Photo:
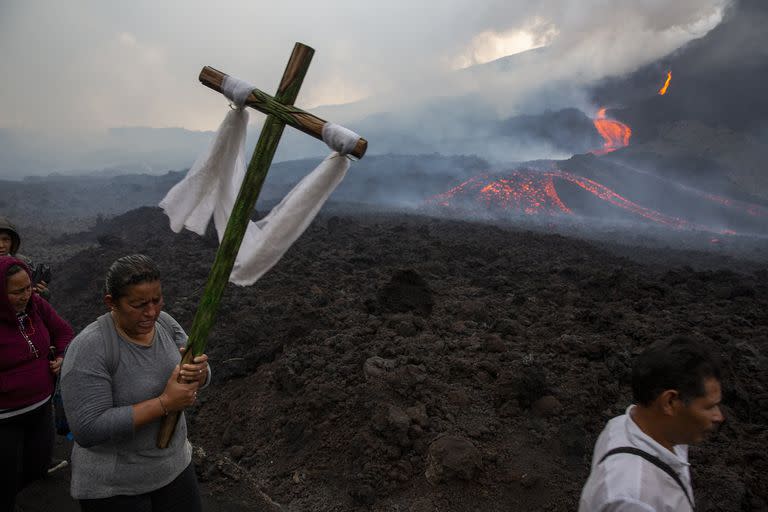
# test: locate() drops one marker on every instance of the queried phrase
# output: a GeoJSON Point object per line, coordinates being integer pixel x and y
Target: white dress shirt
{"type": "Point", "coordinates": [626, 482]}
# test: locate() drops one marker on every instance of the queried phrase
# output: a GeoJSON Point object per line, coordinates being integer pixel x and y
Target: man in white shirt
{"type": "Point", "coordinates": [640, 462]}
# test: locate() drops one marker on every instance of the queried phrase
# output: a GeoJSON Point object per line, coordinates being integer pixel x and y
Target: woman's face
{"type": "Point", "coordinates": [19, 288]}
{"type": "Point", "coordinates": [6, 242]}
{"type": "Point", "coordinates": [137, 310]}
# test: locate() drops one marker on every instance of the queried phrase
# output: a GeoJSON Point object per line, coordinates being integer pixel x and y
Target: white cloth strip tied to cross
{"type": "Point", "coordinates": [211, 186]}
{"type": "Point", "coordinates": [236, 90]}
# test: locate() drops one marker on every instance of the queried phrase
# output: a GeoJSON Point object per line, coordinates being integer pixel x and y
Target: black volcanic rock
{"type": "Point", "coordinates": [407, 291]}
{"type": "Point", "coordinates": [330, 403]}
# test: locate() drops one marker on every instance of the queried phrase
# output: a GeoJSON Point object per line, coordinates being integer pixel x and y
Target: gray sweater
{"type": "Point", "coordinates": [109, 457]}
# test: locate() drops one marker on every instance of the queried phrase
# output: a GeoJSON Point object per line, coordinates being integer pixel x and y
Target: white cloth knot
{"type": "Point", "coordinates": [339, 139]}
{"type": "Point", "coordinates": [236, 90]}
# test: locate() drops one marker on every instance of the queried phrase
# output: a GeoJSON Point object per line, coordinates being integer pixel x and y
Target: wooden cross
{"type": "Point", "coordinates": [280, 111]}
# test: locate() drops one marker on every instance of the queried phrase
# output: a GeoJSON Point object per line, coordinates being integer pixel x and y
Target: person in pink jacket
{"type": "Point", "coordinates": [33, 338]}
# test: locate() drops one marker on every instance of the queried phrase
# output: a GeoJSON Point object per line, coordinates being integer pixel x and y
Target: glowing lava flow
{"type": "Point", "coordinates": [743, 207]}
{"type": "Point", "coordinates": [615, 199]}
{"type": "Point", "coordinates": [533, 192]}
{"type": "Point", "coordinates": [615, 133]}
{"type": "Point", "coordinates": [748, 208]}
{"type": "Point", "coordinates": [663, 89]}
{"type": "Point", "coordinates": [525, 191]}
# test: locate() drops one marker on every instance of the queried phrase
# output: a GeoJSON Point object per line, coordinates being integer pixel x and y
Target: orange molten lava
{"type": "Point", "coordinates": [525, 191]}
{"type": "Point", "coordinates": [606, 194]}
{"type": "Point", "coordinates": [750, 209]}
{"type": "Point", "coordinates": [663, 90]}
{"type": "Point", "coordinates": [615, 133]}
{"type": "Point", "coordinates": [533, 193]}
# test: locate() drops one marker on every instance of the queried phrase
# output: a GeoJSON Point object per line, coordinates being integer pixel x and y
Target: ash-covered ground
{"type": "Point", "coordinates": [397, 362]}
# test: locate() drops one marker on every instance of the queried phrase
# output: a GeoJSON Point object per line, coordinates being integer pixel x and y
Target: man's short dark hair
{"type": "Point", "coordinates": [680, 363]}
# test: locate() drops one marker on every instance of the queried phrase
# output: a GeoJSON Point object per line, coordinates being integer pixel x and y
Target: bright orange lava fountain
{"type": "Point", "coordinates": [615, 133]}
{"type": "Point", "coordinates": [663, 89]}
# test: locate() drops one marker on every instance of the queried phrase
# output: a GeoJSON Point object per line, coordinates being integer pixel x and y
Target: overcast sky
{"type": "Point", "coordinates": [76, 66]}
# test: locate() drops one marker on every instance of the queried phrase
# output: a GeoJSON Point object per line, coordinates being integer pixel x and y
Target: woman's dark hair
{"type": "Point", "coordinates": [680, 363]}
{"type": "Point", "coordinates": [13, 270]}
{"type": "Point", "coordinates": [127, 271]}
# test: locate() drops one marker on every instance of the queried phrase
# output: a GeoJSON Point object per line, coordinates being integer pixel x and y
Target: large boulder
{"type": "Point", "coordinates": [452, 457]}
{"type": "Point", "coordinates": [407, 291]}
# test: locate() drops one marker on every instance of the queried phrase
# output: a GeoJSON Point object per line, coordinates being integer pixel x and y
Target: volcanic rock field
{"type": "Point", "coordinates": [396, 362]}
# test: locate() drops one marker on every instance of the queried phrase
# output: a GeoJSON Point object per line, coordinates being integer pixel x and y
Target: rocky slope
{"type": "Point", "coordinates": [394, 362]}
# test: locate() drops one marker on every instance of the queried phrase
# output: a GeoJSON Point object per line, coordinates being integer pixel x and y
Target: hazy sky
{"type": "Point", "coordinates": [78, 66]}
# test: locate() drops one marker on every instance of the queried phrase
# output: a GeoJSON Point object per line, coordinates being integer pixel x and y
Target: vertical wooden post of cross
{"type": "Point", "coordinates": [294, 74]}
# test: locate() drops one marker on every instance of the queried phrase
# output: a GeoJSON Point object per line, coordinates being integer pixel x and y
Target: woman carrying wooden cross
{"type": "Point", "coordinates": [121, 378]}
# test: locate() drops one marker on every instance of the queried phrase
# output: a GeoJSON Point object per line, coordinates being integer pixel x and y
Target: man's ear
{"type": "Point", "coordinates": [666, 401]}
{"type": "Point", "coordinates": [109, 302]}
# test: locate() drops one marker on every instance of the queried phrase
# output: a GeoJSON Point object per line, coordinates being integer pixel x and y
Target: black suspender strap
{"type": "Point", "coordinates": [656, 462]}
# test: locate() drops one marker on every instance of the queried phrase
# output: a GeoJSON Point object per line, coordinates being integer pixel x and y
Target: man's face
{"type": "Point", "coordinates": [701, 416]}
{"type": "Point", "coordinates": [6, 242]}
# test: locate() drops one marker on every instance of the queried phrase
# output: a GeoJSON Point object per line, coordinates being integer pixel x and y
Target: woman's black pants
{"type": "Point", "coordinates": [26, 444]}
{"type": "Point", "coordinates": [181, 495]}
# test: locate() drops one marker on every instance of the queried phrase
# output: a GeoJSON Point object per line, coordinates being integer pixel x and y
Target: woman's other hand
{"type": "Point", "coordinates": [197, 371]}
{"type": "Point", "coordinates": [55, 365]}
{"type": "Point", "coordinates": [41, 288]}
